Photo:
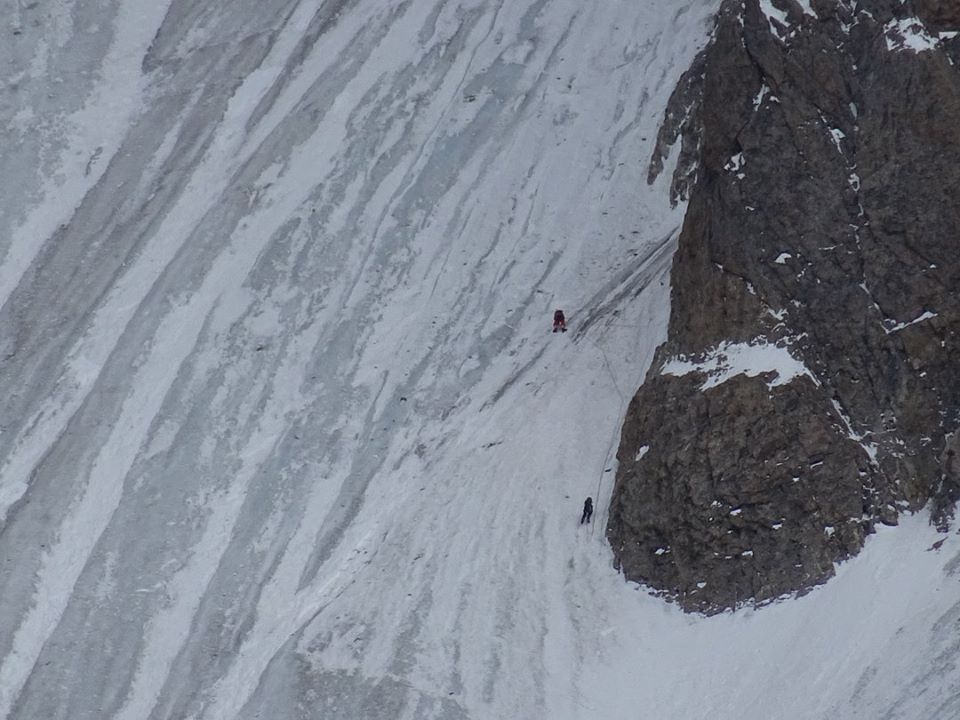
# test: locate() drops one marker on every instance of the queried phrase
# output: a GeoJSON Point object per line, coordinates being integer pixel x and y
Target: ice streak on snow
{"type": "Point", "coordinates": [94, 130]}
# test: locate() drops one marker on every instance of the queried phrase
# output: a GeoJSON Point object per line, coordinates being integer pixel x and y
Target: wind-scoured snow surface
{"type": "Point", "coordinates": [284, 430]}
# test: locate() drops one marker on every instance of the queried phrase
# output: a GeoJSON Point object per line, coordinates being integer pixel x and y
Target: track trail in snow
{"type": "Point", "coordinates": [284, 432]}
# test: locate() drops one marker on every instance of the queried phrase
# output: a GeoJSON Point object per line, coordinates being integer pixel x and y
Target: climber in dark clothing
{"type": "Point", "coordinates": [559, 321]}
{"type": "Point", "coordinates": [587, 511]}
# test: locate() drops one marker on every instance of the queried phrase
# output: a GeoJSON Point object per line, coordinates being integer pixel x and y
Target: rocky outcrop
{"type": "Point", "coordinates": [810, 384]}
{"type": "Point", "coordinates": [939, 15]}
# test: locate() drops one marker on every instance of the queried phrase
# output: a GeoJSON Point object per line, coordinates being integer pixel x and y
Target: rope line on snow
{"type": "Point", "coordinates": [644, 262]}
{"type": "Point", "coordinates": [616, 428]}
{"type": "Point", "coordinates": [624, 401]}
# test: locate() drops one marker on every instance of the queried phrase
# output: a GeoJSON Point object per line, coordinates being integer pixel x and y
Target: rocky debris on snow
{"type": "Point", "coordinates": [809, 387]}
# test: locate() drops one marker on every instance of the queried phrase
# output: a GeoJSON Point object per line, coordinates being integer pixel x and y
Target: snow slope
{"type": "Point", "coordinates": [284, 432]}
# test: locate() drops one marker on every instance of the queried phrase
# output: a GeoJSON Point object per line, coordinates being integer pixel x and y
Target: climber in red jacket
{"type": "Point", "coordinates": [559, 321]}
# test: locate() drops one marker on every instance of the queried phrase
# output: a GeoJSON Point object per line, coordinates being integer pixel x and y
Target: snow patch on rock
{"type": "Point", "coordinates": [761, 94]}
{"type": "Point", "coordinates": [751, 359]}
{"type": "Point", "coordinates": [807, 10]}
{"type": "Point", "coordinates": [900, 326]}
{"type": "Point", "coordinates": [776, 17]}
{"type": "Point", "coordinates": [908, 35]}
{"type": "Point", "coordinates": [735, 164]}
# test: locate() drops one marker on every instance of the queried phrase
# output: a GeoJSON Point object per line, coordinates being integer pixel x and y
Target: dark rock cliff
{"type": "Point", "coordinates": [810, 384]}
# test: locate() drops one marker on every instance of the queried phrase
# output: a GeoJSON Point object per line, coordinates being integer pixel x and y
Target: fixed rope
{"type": "Point", "coordinates": [616, 428]}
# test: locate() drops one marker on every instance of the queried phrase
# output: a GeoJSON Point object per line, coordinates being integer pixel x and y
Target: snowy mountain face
{"type": "Point", "coordinates": [810, 385]}
{"type": "Point", "coordinates": [283, 430]}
